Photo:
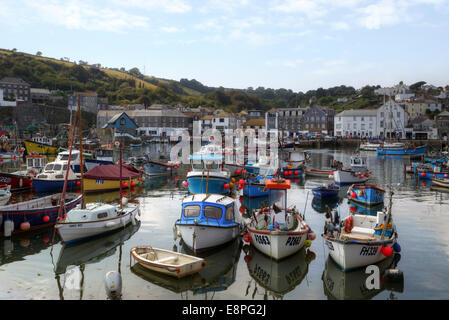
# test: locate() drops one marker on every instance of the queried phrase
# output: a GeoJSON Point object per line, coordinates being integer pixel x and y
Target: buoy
{"type": "Point", "coordinates": [353, 194]}
{"type": "Point", "coordinates": [25, 226]}
{"type": "Point", "coordinates": [247, 258]}
{"type": "Point", "coordinates": [242, 209]}
{"type": "Point", "coordinates": [386, 251]}
{"type": "Point", "coordinates": [133, 184]}
{"type": "Point", "coordinates": [45, 218]}
{"type": "Point", "coordinates": [311, 236]}
{"type": "Point", "coordinates": [113, 285]}
{"type": "Point", "coordinates": [237, 172]}
{"type": "Point", "coordinates": [244, 171]}
{"type": "Point", "coordinates": [445, 175]}
{"type": "Point", "coordinates": [296, 172]}
{"type": "Point", "coordinates": [46, 239]}
{"type": "Point", "coordinates": [241, 182]}
{"type": "Point", "coordinates": [233, 179]}
{"type": "Point", "coordinates": [125, 184]}
{"type": "Point", "coordinates": [185, 183]}
{"type": "Point", "coordinates": [307, 243]}
{"type": "Point", "coordinates": [231, 185]}
{"type": "Point", "coordinates": [240, 187]}
{"type": "Point", "coordinates": [434, 176]}
{"type": "Point", "coordinates": [352, 209]}
{"type": "Point", "coordinates": [423, 174]}
{"type": "Point", "coordinates": [397, 247]}
{"type": "Point", "coordinates": [168, 169]}
{"type": "Point", "coordinates": [78, 183]}
{"type": "Point", "coordinates": [226, 186]}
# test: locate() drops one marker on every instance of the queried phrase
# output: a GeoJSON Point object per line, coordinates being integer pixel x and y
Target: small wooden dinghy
{"type": "Point", "coordinates": [167, 262]}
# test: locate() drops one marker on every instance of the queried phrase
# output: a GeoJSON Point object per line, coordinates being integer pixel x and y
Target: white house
{"type": "Point", "coordinates": [4, 103]}
{"type": "Point", "coordinates": [391, 117]}
{"type": "Point", "coordinates": [356, 123]}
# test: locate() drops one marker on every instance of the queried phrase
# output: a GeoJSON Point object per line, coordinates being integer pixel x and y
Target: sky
{"type": "Point", "coordinates": [294, 44]}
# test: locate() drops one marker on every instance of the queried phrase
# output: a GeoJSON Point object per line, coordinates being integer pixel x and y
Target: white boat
{"type": "Point", "coordinates": [96, 219]}
{"type": "Point", "coordinates": [358, 163]}
{"type": "Point", "coordinates": [358, 240]}
{"type": "Point", "coordinates": [349, 177]}
{"type": "Point", "coordinates": [5, 194]}
{"type": "Point", "coordinates": [276, 232]}
{"type": "Point", "coordinates": [35, 164]}
{"type": "Point", "coordinates": [167, 262]}
{"type": "Point", "coordinates": [368, 146]}
{"type": "Point", "coordinates": [393, 145]}
{"type": "Point", "coordinates": [207, 221]}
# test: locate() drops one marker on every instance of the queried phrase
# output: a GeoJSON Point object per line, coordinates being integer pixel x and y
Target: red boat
{"type": "Point", "coordinates": [16, 181]}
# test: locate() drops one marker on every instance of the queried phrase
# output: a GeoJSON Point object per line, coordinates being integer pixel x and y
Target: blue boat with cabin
{"type": "Point", "coordinates": [207, 221]}
{"type": "Point", "coordinates": [366, 194]}
{"type": "Point", "coordinates": [207, 176]}
{"type": "Point", "coordinates": [255, 187]}
{"type": "Point", "coordinates": [401, 151]}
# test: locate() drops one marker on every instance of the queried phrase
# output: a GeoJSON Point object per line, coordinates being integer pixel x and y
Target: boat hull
{"type": "Point", "coordinates": [159, 168]}
{"type": "Point", "coordinates": [30, 212]}
{"type": "Point", "coordinates": [325, 193]}
{"type": "Point", "coordinates": [71, 232]}
{"type": "Point", "coordinates": [255, 190]}
{"type": "Point", "coordinates": [352, 255]}
{"type": "Point", "coordinates": [42, 186]}
{"type": "Point", "coordinates": [368, 196]}
{"type": "Point", "coordinates": [40, 148]}
{"type": "Point", "coordinates": [206, 237]}
{"type": "Point", "coordinates": [97, 185]}
{"type": "Point", "coordinates": [401, 151]}
{"type": "Point", "coordinates": [319, 173]}
{"type": "Point", "coordinates": [17, 182]}
{"type": "Point", "coordinates": [347, 177]}
{"type": "Point", "coordinates": [444, 183]}
{"type": "Point", "coordinates": [198, 184]}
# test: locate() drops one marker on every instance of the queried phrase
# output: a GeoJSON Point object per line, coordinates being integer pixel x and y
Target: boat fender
{"type": "Point", "coordinates": [8, 228]}
{"type": "Point", "coordinates": [394, 275]}
{"type": "Point", "coordinates": [133, 219]}
{"type": "Point", "coordinates": [113, 285]}
{"type": "Point", "coordinates": [397, 247]}
{"type": "Point", "coordinates": [349, 224]}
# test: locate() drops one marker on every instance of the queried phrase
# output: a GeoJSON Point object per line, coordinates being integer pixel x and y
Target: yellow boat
{"type": "Point", "coordinates": [107, 178]}
{"type": "Point", "coordinates": [39, 147]}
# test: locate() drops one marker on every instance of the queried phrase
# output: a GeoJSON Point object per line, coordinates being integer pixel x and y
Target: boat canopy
{"type": "Point", "coordinates": [277, 184]}
{"type": "Point", "coordinates": [112, 172]}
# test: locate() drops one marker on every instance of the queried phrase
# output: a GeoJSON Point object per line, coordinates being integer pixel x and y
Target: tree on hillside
{"type": "Point", "coordinates": [135, 72]}
{"type": "Point", "coordinates": [39, 54]}
{"type": "Point", "coordinates": [417, 86]}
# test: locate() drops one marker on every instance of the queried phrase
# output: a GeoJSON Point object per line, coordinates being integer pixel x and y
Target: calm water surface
{"type": "Point", "coordinates": [31, 268]}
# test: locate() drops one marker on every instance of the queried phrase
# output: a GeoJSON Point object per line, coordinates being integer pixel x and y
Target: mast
{"type": "Point", "coordinates": [121, 206]}
{"type": "Point", "coordinates": [83, 204]}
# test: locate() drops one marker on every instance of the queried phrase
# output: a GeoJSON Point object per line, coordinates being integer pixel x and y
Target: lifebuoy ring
{"type": "Point", "coordinates": [349, 224]}
{"type": "Point", "coordinates": [31, 173]}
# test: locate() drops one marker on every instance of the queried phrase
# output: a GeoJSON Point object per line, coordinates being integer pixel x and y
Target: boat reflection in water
{"type": "Point", "coordinates": [356, 208]}
{"type": "Point", "coordinates": [319, 205]}
{"type": "Point", "coordinates": [351, 285]}
{"type": "Point", "coordinates": [277, 278]}
{"type": "Point", "coordinates": [93, 251]}
{"type": "Point", "coordinates": [113, 196]}
{"type": "Point", "coordinates": [25, 244]}
{"type": "Point", "coordinates": [217, 275]}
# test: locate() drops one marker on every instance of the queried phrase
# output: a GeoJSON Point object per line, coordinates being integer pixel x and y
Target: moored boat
{"type": "Point", "coordinates": [168, 262]}
{"type": "Point", "coordinates": [349, 177]}
{"type": "Point", "coordinates": [444, 183]}
{"type": "Point", "coordinates": [326, 192]}
{"type": "Point", "coordinates": [41, 145]}
{"type": "Point", "coordinates": [360, 240]}
{"type": "Point", "coordinates": [369, 146]}
{"type": "Point", "coordinates": [107, 178]}
{"type": "Point", "coordinates": [277, 232]}
{"type": "Point", "coordinates": [318, 173]}
{"type": "Point", "coordinates": [18, 182]}
{"type": "Point", "coordinates": [207, 221]}
{"type": "Point", "coordinates": [255, 187]}
{"type": "Point", "coordinates": [366, 194]}
{"type": "Point", "coordinates": [5, 194]}
{"type": "Point", "coordinates": [53, 176]}
{"type": "Point", "coordinates": [401, 151]}
{"type": "Point", "coordinates": [35, 213]}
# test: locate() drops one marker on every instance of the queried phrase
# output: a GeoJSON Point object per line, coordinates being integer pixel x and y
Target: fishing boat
{"type": "Point", "coordinates": [76, 158]}
{"type": "Point", "coordinates": [349, 177]}
{"type": "Point", "coordinates": [369, 146]}
{"type": "Point", "coordinates": [105, 153]}
{"type": "Point", "coordinates": [278, 232]}
{"type": "Point", "coordinates": [41, 145]}
{"type": "Point", "coordinates": [5, 194]}
{"type": "Point", "coordinates": [53, 176]}
{"type": "Point", "coordinates": [35, 163]}
{"type": "Point", "coordinates": [319, 173]}
{"type": "Point", "coordinates": [357, 208]}
{"type": "Point", "coordinates": [207, 221]}
{"type": "Point", "coordinates": [208, 177]}
{"type": "Point", "coordinates": [444, 183]}
{"type": "Point", "coordinates": [360, 240]}
{"type": "Point", "coordinates": [326, 192]}
{"type": "Point", "coordinates": [17, 182]}
{"type": "Point", "coordinates": [366, 194]}
{"type": "Point", "coordinates": [34, 214]}
{"type": "Point", "coordinates": [168, 262]}
{"type": "Point", "coordinates": [425, 172]}
{"type": "Point", "coordinates": [255, 187]}
{"type": "Point", "coordinates": [254, 167]}
{"type": "Point", "coordinates": [107, 178]}
{"type": "Point", "coordinates": [157, 168]}
{"type": "Point", "coordinates": [358, 163]}
{"type": "Point", "coordinates": [401, 151]}
{"type": "Point", "coordinates": [293, 167]}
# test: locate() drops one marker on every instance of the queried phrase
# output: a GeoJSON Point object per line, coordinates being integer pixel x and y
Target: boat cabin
{"type": "Point", "coordinates": [56, 170]}
{"type": "Point", "coordinates": [357, 161]}
{"type": "Point", "coordinates": [64, 156]}
{"type": "Point", "coordinates": [94, 211]}
{"type": "Point", "coordinates": [213, 209]}
{"type": "Point", "coordinates": [35, 162]}
{"type": "Point", "coordinates": [42, 140]}
{"type": "Point", "coordinates": [104, 154]}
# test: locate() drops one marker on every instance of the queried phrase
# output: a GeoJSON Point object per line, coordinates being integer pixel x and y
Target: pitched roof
{"type": "Point", "coordinates": [14, 80]}
{"type": "Point", "coordinates": [255, 122]}
{"type": "Point", "coordinates": [357, 112]}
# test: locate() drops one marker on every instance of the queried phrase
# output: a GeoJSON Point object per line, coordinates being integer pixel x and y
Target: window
{"type": "Point", "coordinates": [102, 215]}
{"type": "Point", "coordinates": [323, 126]}
{"type": "Point", "coordinates": [49, 167]}
{"type": "Point", "coordinates": [212, 212]}
{"type": "Point", "coordinates": [230, 213]}
{"type": "Point", "coordinates": [381, 124]}
{"type": "Point", "coordinates": [192, 211]}
{"type": "Point", "coordinates": [57, 167]}
{"type": "Point", "coordinates": [399, 114]}
{"type": "Point", "coordinates": [122, 121]}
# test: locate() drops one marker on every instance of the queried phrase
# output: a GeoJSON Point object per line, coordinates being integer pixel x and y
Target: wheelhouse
{"type": "Point", "coordinates": [211, 213]}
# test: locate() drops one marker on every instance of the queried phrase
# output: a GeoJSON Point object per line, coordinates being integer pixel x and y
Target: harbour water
{"type": "Point", "coordinates": [32, 268]}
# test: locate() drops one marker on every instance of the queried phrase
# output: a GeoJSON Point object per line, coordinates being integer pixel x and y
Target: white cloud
{"type": "Point", "coordinates": [382, 13]}
{"type": "Point", "coordinates": [169, 6]}
{"type": "Point", "coordinates": [171, 29]}
{"type": "Point", "coordinates": [310, 8]}
{"type": "Point", "coordinates": [340, 25]}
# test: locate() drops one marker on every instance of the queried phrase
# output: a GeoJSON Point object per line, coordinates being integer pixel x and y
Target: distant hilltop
{"type": "Point", "coordinates": [122, 87]}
